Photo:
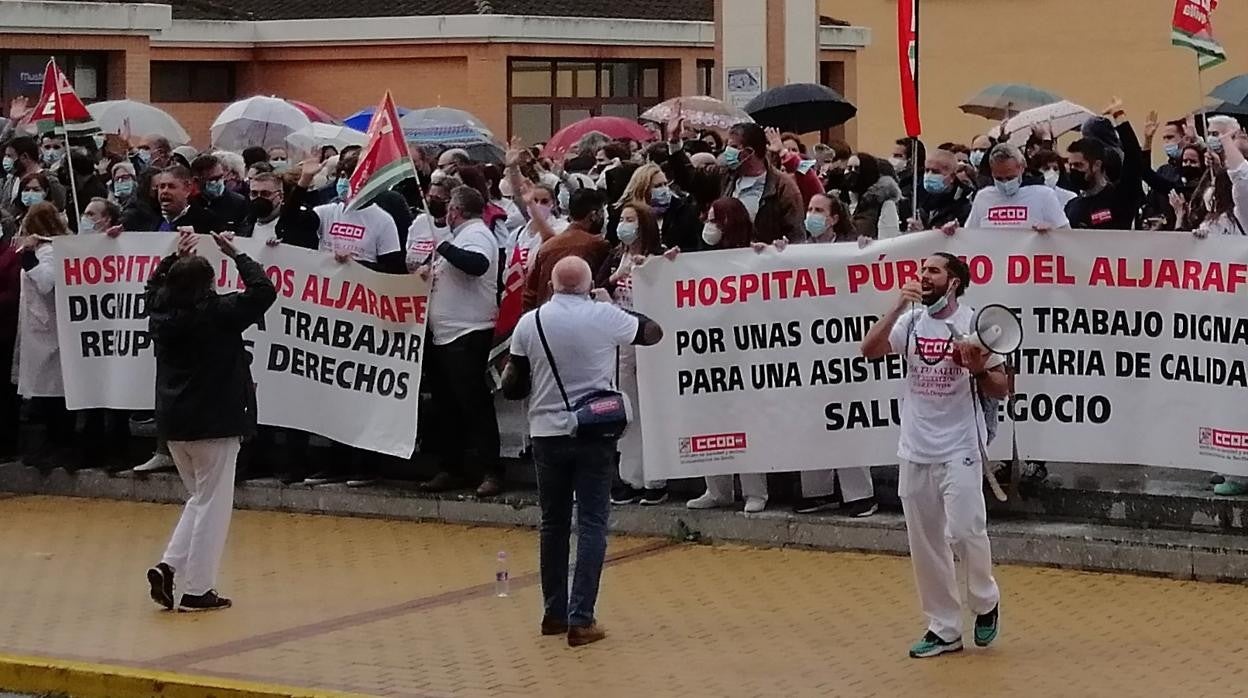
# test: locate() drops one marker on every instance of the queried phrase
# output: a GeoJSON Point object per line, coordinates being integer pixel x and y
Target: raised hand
{"type": "Point", "coordinates": [225, 241]}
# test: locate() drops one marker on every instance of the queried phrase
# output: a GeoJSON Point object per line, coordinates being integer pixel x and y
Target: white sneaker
{"type": "Point", "coordinates": [158, 462]}
{"type": "Point", "coordinates": [754, 505]}
{"type": "Point", "coordinates": [706, 501]}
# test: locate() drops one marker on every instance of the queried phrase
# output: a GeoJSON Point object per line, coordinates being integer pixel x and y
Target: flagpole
{"type": "Point", "coordinates": [1200, 85]}
{"type": "Point", "coordinates": [69, 161]}
{"type": "Point", "coordinates": [916, 167]}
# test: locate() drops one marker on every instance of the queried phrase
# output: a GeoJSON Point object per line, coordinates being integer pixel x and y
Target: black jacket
{"type": "Point", "coordinates": [203, 370]}
{"type": "Point", "coordinates": [231, 208]}
{"type": "Point", "coordinates": [144, 219]}
{"type": "Point", "coordinates": [682, 226]}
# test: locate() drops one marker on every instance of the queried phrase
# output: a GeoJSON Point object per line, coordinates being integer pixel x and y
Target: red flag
{"type": "Point", "coordinates": [384, 162]}
{"type": "Point", "coordinates": [1193, 27]}
{"type": "Point", "coordinates": [908, 61]}
{"type": "Point", "coordinates": [59, 106]}
{"type": "Point", "coordinates": [510, 307]}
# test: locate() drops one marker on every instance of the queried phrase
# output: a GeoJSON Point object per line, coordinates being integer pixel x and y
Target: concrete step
{"type": "Point", "coordinates": [1214, 556]}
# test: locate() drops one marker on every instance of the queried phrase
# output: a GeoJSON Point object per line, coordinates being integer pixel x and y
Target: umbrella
{"type": "Point", "coordinates": [1062, 116]}
{"type": "Point", "coordinates": [312, 137]}
{"type": "Point", "coordinates": [615, 127]}
{"type": "Point", "coordinates": [1000, 101]}
{"type": "Point", "coordinates": [256, 121]}
{"type": "Point", "coordinates": [360, 120]}
{"type": "Point", "coordinates": [125, 116]}
{"type": "Point", "coordinates": [1234, 92]}
{"type": "Point", "coordinates": [706, 112]}
{"type": "Point", "coordinates": [801, 107]}
{"type": "Point", "coordinates": [315, 114]}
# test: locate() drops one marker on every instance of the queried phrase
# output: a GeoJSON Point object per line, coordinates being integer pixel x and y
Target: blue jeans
{"type": "Point", "coordinates": [566, 464]}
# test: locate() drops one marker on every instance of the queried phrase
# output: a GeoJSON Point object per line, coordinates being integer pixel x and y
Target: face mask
{"type": "Point", "coordinates": [816, 224]}
{"type": "Point", "coordinates": [977, 158]}
{"type": "Point", "coordinates": [544, 211]}
{"type": "Point", "coordinates": [731, 158]}
{"type": "Point", "coordinates": [1214, 143]}
{"type": "Point", "coordinates": [100, 139]}
{"type": "Point", "coordinates": [9, 164]}
{"type": "Point", "coordinates": [1079, 180]}
{"type": "Point", "coordinates": [711, 234]}
{"type": "Point", "coordinates": [898, 164]}
{"type": "Point", "coordinates": [343, 187]}
{"type": "Point", "coordinates": [279, 165]}
{"type": "Point", "coordinates": [51, 156]}
{"type": "Point", "coordinates": [1191, 173]}
{"type": "Point", "coordinates": [261, 208]}
{"type": "Point", "coordinates": [123, 188]}
{"type": "Point", "coordinates": [86, 225]}
{"type": "Point", "coordinates": [935, 184]}
{"type": "Point", "coordinates": [1009, 187]}
{"type": "Point", "coordinates": [1051, 177]}
{"type": "Point", "coordinates": [30, 198]}
{"type": "Point", "coordinates": [565, 198]}
{"type": "Point", "coordinates": [939, 306]}
{"type": "Point", "coordinates": [660, 197]}
{"type": "Point", "coordinates": [145, 156]}
{"type": "Point", "coordinates": [214, 188]}
{"type": "Point", "coordinates": [627, 232]}
{"type": "Point", "coordinates": [1172, 150]}
{"type": "Point", "coordinates": [437, 208]}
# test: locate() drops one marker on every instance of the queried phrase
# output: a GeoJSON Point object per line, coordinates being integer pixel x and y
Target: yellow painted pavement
{"type": "Point", "coordinates": [377, 607]}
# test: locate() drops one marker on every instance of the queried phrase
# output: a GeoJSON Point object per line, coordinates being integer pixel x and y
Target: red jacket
{"type": "Point", "coordinates": [808, 182]}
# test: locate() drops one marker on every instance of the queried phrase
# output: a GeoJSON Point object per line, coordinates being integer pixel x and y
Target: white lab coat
{"type": "Point", "coordinates": [39, 362]}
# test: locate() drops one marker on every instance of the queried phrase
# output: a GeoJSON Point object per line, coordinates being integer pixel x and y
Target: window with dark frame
{"type": "Point", "coordinates": [706, 77]}
{"type": "Point", "coordinates": [193, 81]}
{"type": "Point", "coordinates": [546, 95]}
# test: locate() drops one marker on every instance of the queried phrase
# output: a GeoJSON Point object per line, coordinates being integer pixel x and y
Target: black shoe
{"type": "Point", "coordinates": [812, 505]}
{"type": "Point", "coordinates": [860, 508]}
{"type": "Point", "coordinates": [626, 494]}
{"type": "Point", "coordinates": [160, 578]}
{"type": "Point", "coordinates": [654, 496]}
{"type": "Point", "coordinates": [209, 601]}
{"type": "Point", "coordinates": [987, 626]}
{"type": "Point", "coordinates": [442, 482]}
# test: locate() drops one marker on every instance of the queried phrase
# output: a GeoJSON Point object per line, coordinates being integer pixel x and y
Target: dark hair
{"type": "Point", "coordinates": [719, 141]}
{"type": "Point", "coordinates": [346, 166]}
{"type": "Point", "coordinates": [189, 279]}
{"type": "Point", "coordinates": [958, 269]}
{"type": "Point", "coordinates": [112, 210]}
{"type": "Point", "coordinates": [468, 200]}
{"type": "Point", "coordinates": [1090, 148]}
{"type": "Point", "coordinates": [616, 150]}
{"type": "Point", "coordinates": [647, 228]}
{"type": "Point", "coordinates": [1043, 158]}
{"type": "Point", "coordinates": [472, 176]}
{"type": "Point", "coordinates": [658, 153]}
{"type": "Point", "coordinates": [254, 154]}
{"type": "Point", "coordinates": [869, 171]}
{"type": "Point", "coordinates": [347, 151]}
{"type": "Point", "coordinates": [583, 202]}
{"type": "Point", "coordinates": [41, 177]}
{"type": "Point", "coordinates": [25, 145]}
{"type": "Point", "coordinates": [753, 137]}
{"type": "Point", "coordinates": [733, 219]}
{"type": "Point", "coordinates": [261, 168]}
{"type": "Point", "coordinates": [790, 136]}
{"type": "Point", "coordinates": [270, 177]}
{"type": "Point", "coordinates": [494, 176]}
{"type": "Point", "coordinates": [327, 147]}
{"type": "Point", "coordinates": [203, 164]}
{"type": "Point", "coordinates": [177, 172]}
{"type": "Point", "coordinates": [844, 227]}
{"type": "Point", "coordinates": [840, 149]}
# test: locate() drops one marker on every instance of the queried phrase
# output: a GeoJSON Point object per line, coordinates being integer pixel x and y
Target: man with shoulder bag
{"type": "Point", "coordinates": [563, 358]}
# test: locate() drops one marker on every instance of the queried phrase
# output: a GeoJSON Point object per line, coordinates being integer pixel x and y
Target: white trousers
{"type": "Point", "coordinates": [752, 485]}
{"type": "Point", "coordinates": [855, 483]}
{"type": "Point", "coordinates": [629, 446]}
{"type": "Point", "coordinates": [207, 470]}
{"type": "Point", "coordinates": [945, 513]}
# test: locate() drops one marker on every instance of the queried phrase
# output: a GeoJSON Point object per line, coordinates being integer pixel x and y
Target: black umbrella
{"type": "Point", "coordinates": [801, 108]}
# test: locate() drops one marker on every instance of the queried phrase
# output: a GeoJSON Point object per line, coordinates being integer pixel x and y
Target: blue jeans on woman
{"type": "Point", "coordinates": [566, 464]}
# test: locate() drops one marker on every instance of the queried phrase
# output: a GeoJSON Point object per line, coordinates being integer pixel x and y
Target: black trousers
{"type": "Point", "coordinates": [463, 426]}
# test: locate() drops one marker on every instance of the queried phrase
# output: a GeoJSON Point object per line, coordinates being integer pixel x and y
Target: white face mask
{"type": "Point", "coordinates": [711, 234]}
{"type": "Point", "coordinates": [1051, 177]}
{"type": "Point", "coordinates": [504, 188]}
{"type": "Point", "coordinates": [898, 164]}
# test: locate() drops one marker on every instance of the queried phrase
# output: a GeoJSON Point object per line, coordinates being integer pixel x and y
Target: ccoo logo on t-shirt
{"type": "Point", "coordinates": [346, 230]}
{"type": "Point", "coordinates": [1102, 216]}
{"type": "Point", "coordinates": [1007, 214]}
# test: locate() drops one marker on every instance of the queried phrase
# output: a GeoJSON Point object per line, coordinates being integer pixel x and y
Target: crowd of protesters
{"type": "Point", "coordinates": [490, 234]}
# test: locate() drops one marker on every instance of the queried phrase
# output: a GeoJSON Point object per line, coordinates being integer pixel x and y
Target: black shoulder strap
{"type": "Point", "coordinates": [541, 334]}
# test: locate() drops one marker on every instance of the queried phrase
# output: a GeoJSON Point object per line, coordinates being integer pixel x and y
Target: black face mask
{"type": "Point", "coordinates": [835, 179]}
{"type": "Point", "coordinates": [1079, 180]}
{"type": "Point", "coordinates": [1192, 173]}
{"type": "Point", "coordinates": [437, 208]}
{"type": "Point", "coordinates": [261, 208]}
{"type": "Point", "coordinates": [850, 181]}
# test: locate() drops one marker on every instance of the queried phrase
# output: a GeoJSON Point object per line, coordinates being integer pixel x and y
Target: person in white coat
{"type": "Point", "coordinates": [39, 355]}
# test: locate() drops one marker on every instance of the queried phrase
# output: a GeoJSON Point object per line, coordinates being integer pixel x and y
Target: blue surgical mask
{"type": "Point", "coordinates": [9, 164]}
{"type": "Point", "coordinates": [1172, 150]}
{"type": "Point", "coordinates": [939, 306]}
{"type": "Point", "coordinates": [1214, 143]}
{"type": "Point", "coordinates": [977, 158]}
{"type": "Point", "coordinates": [279, 165]}
{"type": "Point", "coordinates": [100, 139]}
{"type": "Point", "coordinates": [1009, 187]}
{"type": "Point", "coordinates": [214, 188]}
{"type": "Point", "coordinates": [51, 156]}
{"type": "Point", "coordinates": [661, 197]}
{"type": "Point", "coordinates": [145, 155]}
{"type": "Point", "coordinates": [565, 198]}
{"type": "Point", "coordinates": [123, 188]}
{"type": "Point", "coordinates": [816, 224]}
{"type": "Point", "coordinates": [935, 184]}
{"type": "Point", "coordinates": [343, 187]}
{"type": "Point", "coordinates": [86, 225]}
{"type": "Point", "coordinates": [30, 198]}
{"type": "Point", "coordinates": [731, 157]}
{"type": "Point", "coordinates": [627, 232]}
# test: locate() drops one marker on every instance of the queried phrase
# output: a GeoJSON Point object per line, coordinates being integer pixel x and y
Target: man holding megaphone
{"type": "Point", "coordinates": [943, 430]}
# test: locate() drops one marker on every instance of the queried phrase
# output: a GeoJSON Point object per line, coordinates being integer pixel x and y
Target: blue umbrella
{"type": "Point", "coordinates": [359, 120]}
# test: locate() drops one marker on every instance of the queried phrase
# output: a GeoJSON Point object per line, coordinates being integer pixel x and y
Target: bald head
{"type": "Point", "coordinates": [572, 276]}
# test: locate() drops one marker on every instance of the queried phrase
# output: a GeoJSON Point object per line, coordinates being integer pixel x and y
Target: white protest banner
{"type": "Point", "coordinates": [1134, 351]}
{"type": "Point", "coordinates": [338, 354]}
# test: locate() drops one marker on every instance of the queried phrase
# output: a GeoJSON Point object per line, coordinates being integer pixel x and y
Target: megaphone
{"type": "Point", "coordinates": [995, 329]}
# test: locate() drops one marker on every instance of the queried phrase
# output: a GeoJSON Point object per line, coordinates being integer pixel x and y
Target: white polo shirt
{"type": "Point", "coordinates": [1033, 205]}
{"type": "Point", "coordinates": [366, 234]}
{"type": "Point", "coordinates": [583, 337]}
{"type": "Point", "coordinates": [461, 303]}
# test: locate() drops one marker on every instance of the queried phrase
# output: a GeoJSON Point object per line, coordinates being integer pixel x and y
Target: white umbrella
{"type": "Point", "coordinates": [256, 121]}
{"type": "Point", "coordinates": [136, 120]}
{"type": "Point", "coordinates": [1062, 116]}
{"type": "Point", "coordinates": [314, 136]}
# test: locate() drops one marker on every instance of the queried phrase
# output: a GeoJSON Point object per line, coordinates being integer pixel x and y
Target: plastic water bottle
{"type": "Point", "coordinates": [502, 577]}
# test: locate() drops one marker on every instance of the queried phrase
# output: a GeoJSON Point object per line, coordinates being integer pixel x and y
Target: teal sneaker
{"type": "Point", "coordinates": [1230, 488]}
{"type": "Point", "coordinates": [931, 645]}
{"type": "Point", "coordinates": [987, 626]}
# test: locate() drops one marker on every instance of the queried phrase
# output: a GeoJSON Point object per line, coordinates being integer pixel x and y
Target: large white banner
{"type": "Point", "coordinates": [1134, 351]}
{"type": "Point", "coordinates": [338, 354]}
